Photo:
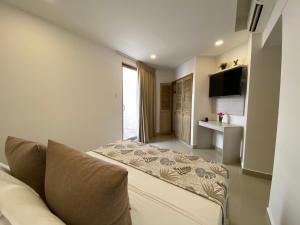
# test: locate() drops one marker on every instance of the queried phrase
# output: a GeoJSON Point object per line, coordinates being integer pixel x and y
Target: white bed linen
{"type": "Point", "coordinates": [4, 221]}
{"type": "Point", "coordinates": [156, 202]}
{"type": "Point", "coordinates": [21, 205]}
{"type": "Point", "coordinates": [4, 168]}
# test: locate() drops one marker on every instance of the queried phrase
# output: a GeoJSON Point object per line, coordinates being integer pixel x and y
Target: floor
{"type": "Point", "coordinates": [248, 195]}
{"type": "Point", "coordinates": [129, 133]}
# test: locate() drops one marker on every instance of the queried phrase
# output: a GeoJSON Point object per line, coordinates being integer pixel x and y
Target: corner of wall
{"type": "Point", "coordinates": [270, 216]}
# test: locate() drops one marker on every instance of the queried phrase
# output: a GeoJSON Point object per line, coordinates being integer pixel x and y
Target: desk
{"type": "Point", "coordinates": [232, 137]}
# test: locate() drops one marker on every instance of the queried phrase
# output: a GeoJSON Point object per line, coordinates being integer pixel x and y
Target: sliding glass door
{"type": "Point", "coordinates": [130, 104]}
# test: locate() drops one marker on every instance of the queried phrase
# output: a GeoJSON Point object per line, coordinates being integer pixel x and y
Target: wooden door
{"type": "Point", "coordinates": [183, 108]}
{"type": "Point", "coordinates": [187, 109]}
{"type": "Point", "coordinates": [173, 107]}
{"type": "Point", "coordinates": [178, 110]}
{"type": "Point", "coordinates": [165, 108]}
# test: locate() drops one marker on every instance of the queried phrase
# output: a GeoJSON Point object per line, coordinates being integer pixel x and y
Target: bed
{"type": "Point", "coordinates": [158, 201]}
{"type": "Point", "coordinates": [165, 188]}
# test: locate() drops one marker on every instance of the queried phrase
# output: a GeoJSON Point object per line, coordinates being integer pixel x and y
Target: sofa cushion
{"type": "Point", "coordinates": [20, 204]}
{"type": "Point", "coordinates": [27, 162]}
{"type": "Point", "coordinates": [81, 189]}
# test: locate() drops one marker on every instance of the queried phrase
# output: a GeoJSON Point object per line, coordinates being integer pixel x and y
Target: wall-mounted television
{"type": "Point", "coordinates": [226, 83]}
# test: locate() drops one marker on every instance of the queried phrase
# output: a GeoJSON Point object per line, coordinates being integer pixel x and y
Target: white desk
{"type": "Point", "coordinates": [232, 137]}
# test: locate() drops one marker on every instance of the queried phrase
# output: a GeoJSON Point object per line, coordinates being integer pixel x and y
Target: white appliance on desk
{"type": "Point", "coordinates": [232, 137]}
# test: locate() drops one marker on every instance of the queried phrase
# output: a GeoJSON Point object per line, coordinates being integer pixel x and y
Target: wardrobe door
{"type": "Point", "coordinates": [165, 108]}
{"type": "Point", "coordinates": [178, 110]}
{"type": "Point", "coordinates": [187, 109]}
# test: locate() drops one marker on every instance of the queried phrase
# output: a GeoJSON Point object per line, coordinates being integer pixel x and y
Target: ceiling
{"type": "Point", "coordinates": [242, 14]}
{"type": "Point", "coordinates": [175, 30]}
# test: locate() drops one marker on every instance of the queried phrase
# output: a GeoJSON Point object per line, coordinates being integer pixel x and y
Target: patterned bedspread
{"type": "Point", "coordinates": [193, 173]}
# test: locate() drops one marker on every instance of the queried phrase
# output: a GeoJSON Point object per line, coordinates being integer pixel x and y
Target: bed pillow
{"type": "Point", "coordinates": [81, 189]}
{"type": "Point", "coordinates": [20, 204]}
{"type": "Point", "coordinates": [27, 162]}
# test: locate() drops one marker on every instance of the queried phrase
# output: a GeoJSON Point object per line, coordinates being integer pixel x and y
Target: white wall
{"type": "Point", "coordinates": [285, 197]}
{"type": "Point", "coordinates": [262, 106]}
{"type": "Point", "coordinates": [202, 104]}
{"type": "Point", "coordinates": [185, 69]}
{"type": "Point", "coordinates": [162, 76]}
{"type": "Point", "coordinates": [241, 53]}
{"type": "Point", "coordinates": [261, 100]}
{"type": "Point", "coordinates": [54, 84]}
{"type": "Point", "coordinates": [275, 14]}
{"type": "Point", "coordinates": [200, 67]}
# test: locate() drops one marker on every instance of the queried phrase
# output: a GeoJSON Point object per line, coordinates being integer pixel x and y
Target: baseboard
{"type": "Point", "coordinates": [181, 141]}
{"type": "Point", "coordinates": [157, 134]}
{"type": "Point", "coordinates": [214, 147]}
{"type": "Point", "coordinates": [257, 174]}
{"type": "Point", "coordinates": [270, 217]}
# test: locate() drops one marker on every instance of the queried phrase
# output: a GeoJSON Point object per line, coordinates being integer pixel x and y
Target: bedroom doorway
{"type": "Point", "coordinates": [130, 102]}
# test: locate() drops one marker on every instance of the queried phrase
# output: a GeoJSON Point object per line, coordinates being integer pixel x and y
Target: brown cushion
{"type": "Point", "coordinates": [27, 162]}
{"type": "Point", "coordinates": [83, 190]}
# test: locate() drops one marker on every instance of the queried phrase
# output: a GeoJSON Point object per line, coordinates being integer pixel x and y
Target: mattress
{"type": "Point", "coordinates": [154, 201]}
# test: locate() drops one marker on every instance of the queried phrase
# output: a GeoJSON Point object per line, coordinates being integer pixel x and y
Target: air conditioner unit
{"type": "Point", "coordinates": [255, 13]}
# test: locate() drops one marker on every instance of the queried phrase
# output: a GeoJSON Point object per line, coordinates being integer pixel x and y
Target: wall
{"type": "Point", "coordinates": [275, 14]}
{"type": "Point", "coordinates": [262, 106]}
{"type": "Point", "coordinates": [162, 76]}
{"type": "Point", "coordinates": [54, 84]}
{"type": "Point", "coordinates": [285, 197]}
{"type": "Point", "coordinates": [241, 53]}
{"type": "Point", "coordinates": [185, 69]}
{"type": "Point", "coordinates": [203, 105]}
{"type": "Point", "coordinates": [200, 67]}
{"type": "Point", "coordinates": [260, 101]}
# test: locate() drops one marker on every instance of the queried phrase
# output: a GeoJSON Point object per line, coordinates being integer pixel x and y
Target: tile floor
{"type": "Point", "coordinates": [248, 196]}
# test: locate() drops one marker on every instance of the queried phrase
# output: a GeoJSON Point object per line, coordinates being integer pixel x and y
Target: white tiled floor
{"type": "Point", "coordinates": [248, 196]}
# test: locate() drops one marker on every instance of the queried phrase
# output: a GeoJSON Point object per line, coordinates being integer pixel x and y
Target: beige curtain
{"type": "Point", "coordinates": [146, 79]}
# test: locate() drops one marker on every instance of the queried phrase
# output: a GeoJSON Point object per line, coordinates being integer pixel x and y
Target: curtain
{"type": "Point", "coordinates": [146, 93]}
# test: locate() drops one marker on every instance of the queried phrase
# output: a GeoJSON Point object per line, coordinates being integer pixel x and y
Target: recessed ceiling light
{"type": "Point", "coordinates": [219, 42]}
{"type": "Point", "coordinates": [153, 56]}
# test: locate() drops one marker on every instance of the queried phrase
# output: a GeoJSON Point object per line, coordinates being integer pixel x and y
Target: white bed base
{"type": "Point", "coordinates": [156, 202]}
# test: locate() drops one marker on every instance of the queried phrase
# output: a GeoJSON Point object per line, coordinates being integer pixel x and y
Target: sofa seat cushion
{"type": "Point", "coordinates": [81, 189]}
{"type": "Point", "coordinates": [27, 162]}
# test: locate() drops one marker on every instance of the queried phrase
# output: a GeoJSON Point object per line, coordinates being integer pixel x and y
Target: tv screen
{"type": "Point", "coordinates": [226, 83]}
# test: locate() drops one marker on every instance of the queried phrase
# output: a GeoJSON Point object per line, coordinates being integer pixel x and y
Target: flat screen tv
{"type": "Point", "coordinates": [226, 83]}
